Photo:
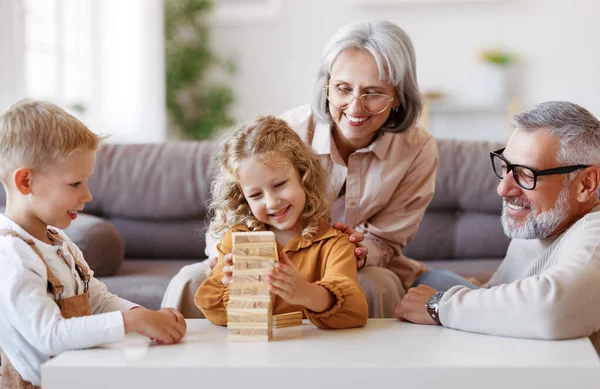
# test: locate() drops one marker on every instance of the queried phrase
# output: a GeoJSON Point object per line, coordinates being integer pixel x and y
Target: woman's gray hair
{"type": "Point", "coordinates": [577, 129]}
{"type": "Point", "coordinates": [394, 55]}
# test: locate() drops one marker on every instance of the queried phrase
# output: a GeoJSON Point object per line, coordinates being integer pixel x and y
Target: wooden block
{"type": "Point", "coordinates": [288, 316]}
{"type": "Point", "coordinates": [248, 312]}
{"type": "Point", "coordinates": [252, 279]}
{"type": "Point", "coordinates": [283, 325]}
{"type": "Point", "coordinates": [249, 308]}
{"type": "Point", "coordinates": [245, 273]}
{"type": "Point", "coordinates": [245, 283]}
{"type": "Point", "coordinates": [296, 322]}
{"type": "Point", "coordinates": [287, 319]}
{"type": "Point", "coordinates": [246, 291]}
{"type": "Point", "coordinates": [247, 300]}
{"type": "Point", "coordinates": [243, 325]}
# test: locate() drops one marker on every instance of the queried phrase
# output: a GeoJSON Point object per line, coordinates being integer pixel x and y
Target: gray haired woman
{"type": "Point", "coordinates": [363, 124]}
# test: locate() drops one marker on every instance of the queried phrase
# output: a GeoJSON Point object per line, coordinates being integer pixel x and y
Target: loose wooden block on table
{"type": "Point", "coordinates": [249, 311]}
{"type": "Point", "coordinates": [287, 319]}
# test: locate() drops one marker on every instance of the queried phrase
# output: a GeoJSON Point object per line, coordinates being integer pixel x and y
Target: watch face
{"type": "Point", "coordinates": [432, 306]}
{"type": "Point", "coordinates": [435, 299]}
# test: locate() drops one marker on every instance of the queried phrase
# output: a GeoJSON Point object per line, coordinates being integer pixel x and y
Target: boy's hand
{"type": "Point", "coordinates": [360, 252]}
{"type": "Point", "coordinates": [285, 281]}
{"type": "Point", "coordinates": [166, 326]}
{"type": "Point", "coordinates": [227, 269]}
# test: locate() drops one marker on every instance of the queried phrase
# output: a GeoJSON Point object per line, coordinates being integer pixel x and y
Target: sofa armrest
{"type": "Point", "coordinates": [102, 246]}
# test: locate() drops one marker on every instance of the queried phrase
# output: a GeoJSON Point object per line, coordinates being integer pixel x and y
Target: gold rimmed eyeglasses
{"type": "Point", "coordinates": [341, 98]}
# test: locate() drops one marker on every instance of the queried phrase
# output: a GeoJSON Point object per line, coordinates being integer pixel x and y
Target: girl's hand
{"type": "Point", "coordinates": [227, 269]}
{"type": "Point", "coordinates": [285, 281]}
{"type": "Point", "coordinates": [360, 252]}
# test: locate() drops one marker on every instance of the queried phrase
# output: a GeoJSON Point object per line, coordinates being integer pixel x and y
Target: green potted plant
{"type": "Point", "coordinates": [197, 103]}
{"type": "Point", "coordinates": [499, 57]}
{"type": "Point", "coordinates": [496, 74]}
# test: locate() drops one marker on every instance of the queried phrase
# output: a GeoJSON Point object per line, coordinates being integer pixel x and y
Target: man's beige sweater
{"type": "Point", "coordinates": [544, 289]}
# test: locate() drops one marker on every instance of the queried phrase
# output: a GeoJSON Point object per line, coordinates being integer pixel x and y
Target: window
{"type": "Point", "coordinates": [58, 53]}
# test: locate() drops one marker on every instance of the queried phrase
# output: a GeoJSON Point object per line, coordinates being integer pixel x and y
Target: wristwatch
{"type": "Point", "coordinates": [433, 305]}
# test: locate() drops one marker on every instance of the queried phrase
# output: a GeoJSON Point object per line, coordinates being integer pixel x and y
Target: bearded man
{"type": "Point", "coordinates": [548, 285]}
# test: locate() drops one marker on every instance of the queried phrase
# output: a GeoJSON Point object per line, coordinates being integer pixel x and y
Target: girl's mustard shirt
{"type": "Point", "coordinates": [328, 260]}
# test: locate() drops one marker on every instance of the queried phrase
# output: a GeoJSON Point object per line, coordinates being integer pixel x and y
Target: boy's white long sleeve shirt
{"type": "Point", "coordinates": [544, 289]}
{"type": "Point", "coordinates": [31, 326]}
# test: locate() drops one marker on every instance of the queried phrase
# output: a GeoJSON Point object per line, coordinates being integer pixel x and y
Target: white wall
{"type": "Point", "coordinates": [11, 54]}
{"type": "Point", "coordinates": [559, 42]}
{"type": "Point", "coordinates": [129, 83]}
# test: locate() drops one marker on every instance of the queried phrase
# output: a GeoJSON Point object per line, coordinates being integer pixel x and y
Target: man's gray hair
{"type": "Point", "coordinates": [577, 129]}
{"type": "Point", "coordinates": [394, 55]}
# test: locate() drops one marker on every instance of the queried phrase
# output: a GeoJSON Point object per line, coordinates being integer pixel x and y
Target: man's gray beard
{"type": "Point", "coordinates": [539, 226]}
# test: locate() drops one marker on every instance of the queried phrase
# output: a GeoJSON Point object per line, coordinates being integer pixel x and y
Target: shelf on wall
{"type": "Point", "coordinates": [469, 120]}
{"type": "Point", "coordinates": [237, 12]}
{"type": "Point", "coordinates": [421, 2]}
{"type": "Point", "coordinates": [468, 108]}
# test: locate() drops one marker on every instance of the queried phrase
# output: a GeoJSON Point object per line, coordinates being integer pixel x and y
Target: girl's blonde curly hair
{"type": "Point", "coordinates": [267, 140]}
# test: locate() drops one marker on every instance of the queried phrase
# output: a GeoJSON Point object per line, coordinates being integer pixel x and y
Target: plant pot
{"type": "Point", "coordinates": [493, 84]}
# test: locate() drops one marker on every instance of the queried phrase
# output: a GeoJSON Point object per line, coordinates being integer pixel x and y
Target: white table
{"type": "Point", "coordinates": [384, 354]}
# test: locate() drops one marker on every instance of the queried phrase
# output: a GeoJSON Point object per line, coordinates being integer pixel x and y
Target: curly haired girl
{"type": "Point", "coordinates": [269, 180]}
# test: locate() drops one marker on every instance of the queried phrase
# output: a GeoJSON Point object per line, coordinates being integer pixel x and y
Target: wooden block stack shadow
{"type": "Point", "coordinates": [249, 311]}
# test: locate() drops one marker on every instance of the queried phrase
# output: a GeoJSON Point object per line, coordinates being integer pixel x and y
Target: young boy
{"type": "Point", "coordinates": [49, 299]}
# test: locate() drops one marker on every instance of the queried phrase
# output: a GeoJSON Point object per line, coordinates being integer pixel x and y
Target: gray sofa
{"type": "Point", "coordinates": [147, 218]}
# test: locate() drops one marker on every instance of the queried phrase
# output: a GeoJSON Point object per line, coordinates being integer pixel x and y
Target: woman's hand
{"type": "Point", "coordinates": [360, 252]}
{"type": "Point", "coordinates": [286, 282]}
{"type": "Point", "coordinates": [212, 263]}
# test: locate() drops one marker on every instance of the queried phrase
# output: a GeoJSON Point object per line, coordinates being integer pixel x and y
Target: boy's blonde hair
{"type": "Point", "coordinates": [267, 140]}
{"type": "Point", "coordinates": [35, 134]}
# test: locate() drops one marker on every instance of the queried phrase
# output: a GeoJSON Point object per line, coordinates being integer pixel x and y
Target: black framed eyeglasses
{"type": "Point", "coordinates": [525, 177]}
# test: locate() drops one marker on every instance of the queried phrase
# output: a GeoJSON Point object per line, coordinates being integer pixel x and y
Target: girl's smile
{"type": "Point", "coordinates": [274, 193]}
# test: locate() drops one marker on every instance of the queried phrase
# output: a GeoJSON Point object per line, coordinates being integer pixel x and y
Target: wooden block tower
{"type": "Point", "coordinates": [249, 312]}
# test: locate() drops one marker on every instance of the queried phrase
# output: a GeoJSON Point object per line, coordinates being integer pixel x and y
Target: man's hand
{"type": "Point", "coordinates": [412, 306]}
{"type": "Point", "coordinates": [360, 252]}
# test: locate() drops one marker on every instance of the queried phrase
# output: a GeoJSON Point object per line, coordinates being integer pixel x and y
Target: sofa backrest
{"type": "Point", "coordinates": [156, 196]}
{"type": "Point", "coordinates": [463, 219]}
{"type": "Point", "coordinates": [152, 181]}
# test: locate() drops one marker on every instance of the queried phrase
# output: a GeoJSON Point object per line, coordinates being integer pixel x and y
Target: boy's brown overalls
{"type": "Point", "coordinates": [75, 306]}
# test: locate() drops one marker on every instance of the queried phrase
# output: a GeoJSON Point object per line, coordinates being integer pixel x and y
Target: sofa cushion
{"type": "Point", "coordinates": [458, 235]}
{"type": "Point", "coordinates": [102, 245]}
{"type": "Point", "coordinates": [463, 219]}
{"type": "Point", "coordinates": [166, 181]}
{"type": "Point", "coordinates": [144, 281]}
{"type": "Point", "coordinates": [162, 238]}
{"type": "Point", "coordinates": [480, 268]}
{"type": "Point", "coordinates": [465, 179]}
